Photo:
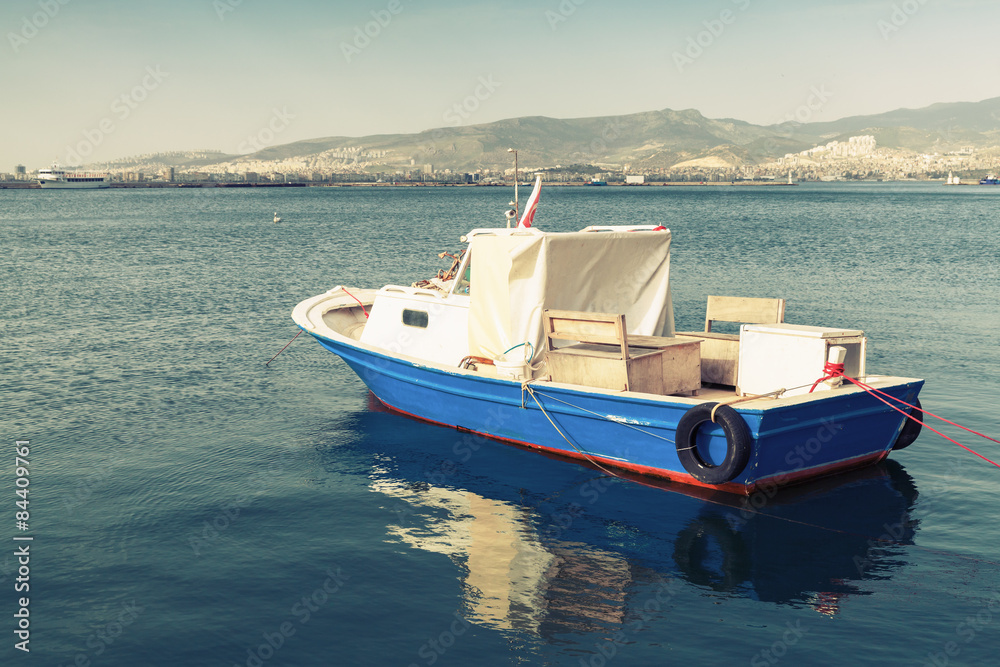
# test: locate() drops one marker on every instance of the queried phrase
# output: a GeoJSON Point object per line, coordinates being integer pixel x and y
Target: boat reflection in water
{"type": "Point", "coordinates": [516, 579]}
{"type": "Point", "coordinates": [556, 547]}
{"type": "Point", "coordinates": [810, 544]}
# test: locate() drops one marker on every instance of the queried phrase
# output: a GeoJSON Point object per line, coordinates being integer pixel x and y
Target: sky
{"type": "Point", "coordinates": [95, 80]}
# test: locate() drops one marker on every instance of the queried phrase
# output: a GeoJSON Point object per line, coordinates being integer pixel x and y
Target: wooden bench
{"type": "Point", "coordinates": [603, 354]}
{"type": "Point", "coordinates": [720, 352]}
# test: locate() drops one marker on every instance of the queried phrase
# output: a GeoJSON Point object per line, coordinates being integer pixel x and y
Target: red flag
{"type": "Point", "coordinates": [532, 205]}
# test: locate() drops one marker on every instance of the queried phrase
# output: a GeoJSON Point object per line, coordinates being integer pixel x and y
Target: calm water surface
{"type": "Point", "coordinates": [191, 506]}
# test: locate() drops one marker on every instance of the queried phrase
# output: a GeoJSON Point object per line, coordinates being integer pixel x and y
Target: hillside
{"type": "Point", "coordinates": [650, 140]}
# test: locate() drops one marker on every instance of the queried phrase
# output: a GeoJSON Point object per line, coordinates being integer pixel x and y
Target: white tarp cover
{"type": "Point", "coordinates": [517, 275]}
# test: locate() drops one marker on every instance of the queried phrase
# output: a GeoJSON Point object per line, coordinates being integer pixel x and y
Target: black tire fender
{"type": "Point", "coordinates": [739, 443]}
{"type": "Point", "coordinates": [911, 429]}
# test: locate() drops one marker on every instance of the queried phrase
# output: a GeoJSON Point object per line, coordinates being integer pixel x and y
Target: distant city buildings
{"type": "Point", "coordinates": [856, 157]}
{"type": "Point", "coordinates": [853, 147]}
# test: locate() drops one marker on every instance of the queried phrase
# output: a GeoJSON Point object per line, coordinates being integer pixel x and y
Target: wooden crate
{"type": "Point", "coordinates": [605, 356]}
{"type": "Point", "coordinates": [720, 355]}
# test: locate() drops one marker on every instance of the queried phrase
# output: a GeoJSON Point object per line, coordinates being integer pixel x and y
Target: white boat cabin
{"type": "Point", "coordinates": [508, 277]}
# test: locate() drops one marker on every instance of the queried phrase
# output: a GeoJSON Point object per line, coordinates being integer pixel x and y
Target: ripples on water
{"type": "Point", "coordinates": [173, 472]}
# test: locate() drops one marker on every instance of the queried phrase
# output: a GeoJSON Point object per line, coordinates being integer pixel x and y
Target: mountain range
{"type": "Point", "coordinates": [651, 139]}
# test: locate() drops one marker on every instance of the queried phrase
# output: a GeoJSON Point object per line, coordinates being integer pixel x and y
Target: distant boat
{"type": "Point", "coordinates": [597, 181]}
{"type": "Point", "coordinates": [276, 218]}
{"type": "Point", "coordinates": [58, 178]}
{"type": "Point", "coordinates": [989, 180]}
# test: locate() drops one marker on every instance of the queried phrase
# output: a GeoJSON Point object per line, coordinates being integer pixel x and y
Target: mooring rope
{"type": "Point", "coordinates": [833, 370]}
{"type": "Point", "coordinates": [526, 386]}
{"type": "Point", "coordinates": [283, 349]}
{"type": "Point", "coordinates": [749, 397]}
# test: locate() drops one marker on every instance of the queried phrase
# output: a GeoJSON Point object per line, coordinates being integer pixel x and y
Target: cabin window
{"type": "Point", "coordinates": [415, 318]}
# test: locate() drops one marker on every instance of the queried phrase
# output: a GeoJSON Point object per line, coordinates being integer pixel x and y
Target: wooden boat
{"type": "Point", "coordinates": [565, 342]}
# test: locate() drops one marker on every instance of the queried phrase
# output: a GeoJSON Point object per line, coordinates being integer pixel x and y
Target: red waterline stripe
{"type": "Point", "coordinates": [669, 475]}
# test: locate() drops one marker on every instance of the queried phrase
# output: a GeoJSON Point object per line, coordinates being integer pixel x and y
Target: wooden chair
{"type": "Point", "coordinates": [720, 352]}
{"type": "Point", "coordinates": [603, 354]}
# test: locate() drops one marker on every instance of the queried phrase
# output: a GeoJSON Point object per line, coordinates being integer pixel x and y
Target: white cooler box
{"type": "Point", "coordinates": [776, 356]}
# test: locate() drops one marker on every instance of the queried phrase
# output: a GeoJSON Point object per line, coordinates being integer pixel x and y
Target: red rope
{"type": "Point", "coordinates": [877, 391]}
{"type": "Point", "coordinates": [356, 299]}
{"type": "Point", "coordinates": [832, 370]}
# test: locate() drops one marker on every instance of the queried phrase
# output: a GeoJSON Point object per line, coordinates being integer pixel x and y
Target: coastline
{"type": "Point", "coordinates": [560, 184]}
{"type": "Point", "coordinates": [31, 185]}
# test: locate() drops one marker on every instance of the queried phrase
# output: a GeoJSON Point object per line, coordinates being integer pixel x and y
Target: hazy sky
{"type": "Point", "coordinates": [108, 78]}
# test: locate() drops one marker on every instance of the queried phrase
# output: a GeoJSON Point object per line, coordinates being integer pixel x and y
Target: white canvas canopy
{"type": "Point", "coordinates": [518, 273]}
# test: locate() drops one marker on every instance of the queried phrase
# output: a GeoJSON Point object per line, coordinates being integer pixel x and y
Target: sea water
{"type": "Point", "coordinates": [190, 505]}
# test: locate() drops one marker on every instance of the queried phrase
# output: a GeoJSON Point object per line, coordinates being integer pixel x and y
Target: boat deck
{"type": "Point", "coordinates": [339, 315]}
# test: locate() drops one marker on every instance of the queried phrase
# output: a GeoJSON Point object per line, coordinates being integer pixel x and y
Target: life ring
{"type": "Point", "coordinates": [911, 429]}
{"type": "Point", "coordinates": [738, 443]}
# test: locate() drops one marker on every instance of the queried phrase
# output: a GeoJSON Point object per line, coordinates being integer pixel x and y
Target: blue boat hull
{"type": "Point", "coordinates": [791, 443]}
